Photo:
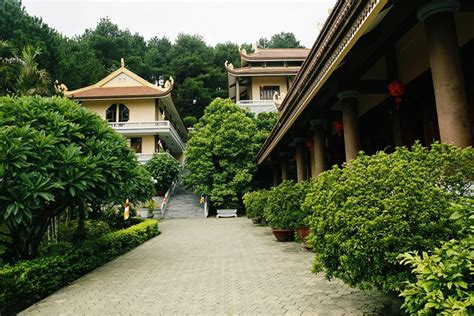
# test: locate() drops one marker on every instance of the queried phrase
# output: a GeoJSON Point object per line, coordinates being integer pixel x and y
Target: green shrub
{"type": "Point", "coordinates": [444, 278]}
{"type": "Point", "coordinates": [164, 168]}
{"type": "Point", "coordinates": [283, 208]}
{"type": "Point", "coordinates": [254, 203]}
{"type": "Point", "coordinates": [113, 216]}
{"type": "Point", "coordinates": [377, 207]}
{"type": "Point", "coordinates": [189, 121]}
{"type": "Point", "coordinates": [54, 248]}
{"type": "Point", "coordinates": [56, 155]}
{"type": "Point", "coordinates": [26, 282]}
{"type": "Point", "coordinates": [93, 229]}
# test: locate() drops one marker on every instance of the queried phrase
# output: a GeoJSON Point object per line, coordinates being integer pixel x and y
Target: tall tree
{"type": "Point", "coordinates": [284, 40]}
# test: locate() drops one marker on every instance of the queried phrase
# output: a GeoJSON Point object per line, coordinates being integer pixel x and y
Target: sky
{"type": "Point", "coordinates": [218, 21]}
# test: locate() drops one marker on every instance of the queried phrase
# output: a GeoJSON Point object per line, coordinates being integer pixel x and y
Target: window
{"type": "Point", "coordinates": [267, 92]}
{"type": "Point", "coordinates": [111, 113]}
{"type": "Point", "coordinates": [136, 144]}
{"type": "Point", "coordinates": [124, 113]}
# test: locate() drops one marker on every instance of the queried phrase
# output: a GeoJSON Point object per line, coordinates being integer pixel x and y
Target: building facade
{"type": "Point", "coordinates": [381, 74]}
{"type": "Point", "coordinates": [264, 77]}
{"type": "Point", "coordinates": [142, 112]}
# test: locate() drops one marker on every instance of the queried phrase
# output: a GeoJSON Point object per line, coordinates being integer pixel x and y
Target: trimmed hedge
{"type": "Point", "coordinates": [29, 281]}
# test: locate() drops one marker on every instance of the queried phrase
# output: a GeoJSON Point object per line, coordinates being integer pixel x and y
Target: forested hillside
{"type": "Point", "coordinates": [198, 68]}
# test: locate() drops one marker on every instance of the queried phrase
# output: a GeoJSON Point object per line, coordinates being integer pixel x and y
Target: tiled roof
{"type": "Point", "coordinates": [264, 70]}
{"type": "Point", "coordinates": [109, 92]}
{"type": "Point", "coordinates": [277, 53]}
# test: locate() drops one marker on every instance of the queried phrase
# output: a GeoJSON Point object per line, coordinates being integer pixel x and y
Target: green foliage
{"type": "Point", "coordinates": [164, 168]}
{"type": "Point", "coordinates": [444, 278]}
{"type": "Point", "coordinates": [254, 203]}
{"type": "Point", "coordinates": [377, 207]}
{"type": "Point", "coordinates": [56, 155]}
{"type": "Point", "coordinates": [113, 216]}
{"type": "Point", "coordinates": [190, 121]}
{"type": "Point", "coordinates": [283, 207]}
{"type": "Point", "coordinates": [265, 123]}
{"type": "Point", "coordinates": [280, 40]}
{"type": "Point", "coordinates": [26, 282]}
{"type": "Point", "coordinates": [92, 229]}
{"type": "Point", "coordinates": [221, 153]}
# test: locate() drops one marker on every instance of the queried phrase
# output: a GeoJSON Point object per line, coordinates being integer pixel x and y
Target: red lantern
{"type": "Point", "coordinates": [396, 89]}
{"type": "Point", "coordinates": [310, 143]}
{"type": "Point", "coordinates": [338, 127]}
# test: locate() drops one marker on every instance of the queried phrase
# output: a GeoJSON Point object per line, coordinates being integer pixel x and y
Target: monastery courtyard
{"type": "Point", "coordinates": [210, 267]}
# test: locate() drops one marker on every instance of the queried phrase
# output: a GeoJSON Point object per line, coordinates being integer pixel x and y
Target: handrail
{"type": "Point", "coordinates": [126, 126]}
{"type": "Point", "coordinates": [164, 204]}
{"type": "Point", "coordinates": [166, 199]}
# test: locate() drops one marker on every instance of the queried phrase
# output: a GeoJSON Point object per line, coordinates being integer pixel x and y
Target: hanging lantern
{"type": "Point", "coordinates": [338, 127]}
{"type": "Point", "coordinates": [396, 89]}
{"type": "Point", "coordinates": [310, 143]}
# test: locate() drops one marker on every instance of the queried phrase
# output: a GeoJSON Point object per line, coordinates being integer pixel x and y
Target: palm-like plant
{"type": "Point", "coordinates": [20, 73]}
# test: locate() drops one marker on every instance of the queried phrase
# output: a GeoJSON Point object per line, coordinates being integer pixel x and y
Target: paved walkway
{"type": "Point", "coordinates": [210, 267]}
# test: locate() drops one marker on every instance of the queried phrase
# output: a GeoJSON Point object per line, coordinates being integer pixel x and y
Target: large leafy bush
{"type": "Point", "coordinates": [55, 155]}
{"type": "Point", "coordinates": [164, 168]}
{"type": "Point", "coordinates": [221, 153]}
{"type": "Point", "coordinates": [254, 203]}
{"type": "Point", "coordinates": [445, 277]}
{"type": "Point", "coordinates": [283, 208]}
{"type": "Point", "coordinates": [377, 207]}
{"type": "Point", "coordinates": [29, 281]}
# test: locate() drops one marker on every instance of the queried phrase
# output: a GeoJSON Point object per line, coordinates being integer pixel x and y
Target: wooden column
{"type": "Point", "coordinates": [446, 69]}
{"type": "Point", "coordinates": [276, 173]}
{"type": "Point", "coordinates": [319, 138]}
{"type": "Point", "coordinates": [285, 166]}
{"type": "Point", "coordinates": [237, 90]}
{"type": "Point", "coordinates": [350, 121]}
{"type": "Point", "coordinates": [300, 143]}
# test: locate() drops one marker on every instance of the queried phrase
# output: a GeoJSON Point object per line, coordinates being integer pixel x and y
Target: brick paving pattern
{"type": "Point", "coordinates": [210, 267]}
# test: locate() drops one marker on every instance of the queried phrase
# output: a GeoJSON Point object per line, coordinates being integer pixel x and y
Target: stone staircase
{"type": "Point", "coordinates": [184, 204]}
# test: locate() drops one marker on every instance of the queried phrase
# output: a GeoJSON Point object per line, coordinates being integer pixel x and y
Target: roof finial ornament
{"type": "Point", "coordinates": [122, 62]}
{"type": "Point", "coordinates": [255, 47]}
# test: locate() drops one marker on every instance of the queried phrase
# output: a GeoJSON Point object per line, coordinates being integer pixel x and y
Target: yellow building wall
{"type": "Point", "coordinates": [267, 81]}
{"type": "Point", "coordinates": [148, 144]}
{"type": "Point", "coordinates": [140, 110]}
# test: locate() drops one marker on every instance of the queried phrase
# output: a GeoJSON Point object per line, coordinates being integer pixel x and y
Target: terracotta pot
{"type": "Point", "coordinates": [302, 233]}
{"type": "Point", "coordinates": [284, 234]}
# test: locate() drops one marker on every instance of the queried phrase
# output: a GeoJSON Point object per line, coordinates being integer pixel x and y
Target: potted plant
{"type": "Point", "coordinates": [151, 208]}
{"type": "Point", "coordinates": [254, 203]}
{"type": "Point", "coordinates": [283, 209]}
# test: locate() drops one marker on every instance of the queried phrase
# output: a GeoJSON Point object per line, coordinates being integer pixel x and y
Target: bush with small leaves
{"type": "Point", "coordinates": [377, 207]}
{"type": "Point", "coordinates": [254, 203]}
{"type": "Point", "coordinates": [444, 282]}
{"type": "Point", "coordinates": [283, 208]}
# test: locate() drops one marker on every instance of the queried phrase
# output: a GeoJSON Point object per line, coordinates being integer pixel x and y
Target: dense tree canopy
{"type": "Point", "coordinates": [198, 69]}
{"type": "Point", "coordinates": [56, 155]}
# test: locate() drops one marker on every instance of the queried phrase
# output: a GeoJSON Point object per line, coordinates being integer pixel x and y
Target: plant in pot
{"type": "Point", "coordinates": [150, 205]}
{"type": "Point", "coordinates": [254, 203]}
{"type": "Point", "coordinates": [283, 209]}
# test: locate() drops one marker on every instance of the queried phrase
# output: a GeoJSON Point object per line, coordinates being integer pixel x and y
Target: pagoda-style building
{"type": "Point", "coordinates": [264, 77]}
{"type": "Point", "coordinates": [381, 74]}
{"type": "Point", "coordinates": [142, 112]}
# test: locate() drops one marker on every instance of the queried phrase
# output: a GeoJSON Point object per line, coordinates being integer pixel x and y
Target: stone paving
{"type": "Point", "coordinates": [210, 267]}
